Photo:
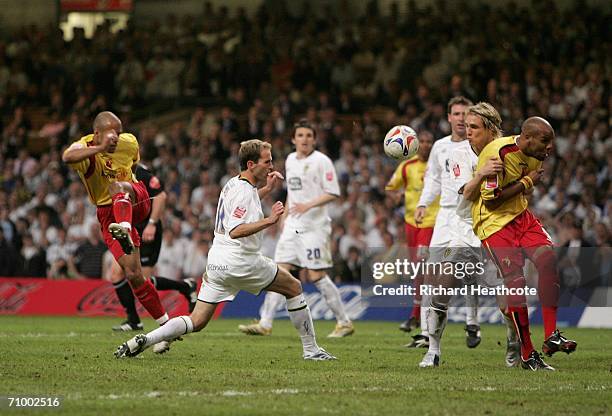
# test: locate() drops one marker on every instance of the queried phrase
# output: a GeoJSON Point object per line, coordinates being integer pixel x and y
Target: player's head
{"type": "Point", "coordinates": [106, 124]}
{"type": "Point", "coordinates": [483, 124]}
{"type": "Point", "coordinates": [304, 137]}
{"type": "Point", "coordinates": [256, 158]}
{"type": "Point", "coordinates": [456, 114]}
{"type": "Point", "coordinates": [425, 143]}
{"type": "Point", "coordinates": [537, 137]}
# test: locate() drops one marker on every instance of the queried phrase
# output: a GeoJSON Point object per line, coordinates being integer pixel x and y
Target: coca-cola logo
{"type": "Point", "coordinates": [13, 295]}
{"type": "Point", "coordinates": [103, 301]}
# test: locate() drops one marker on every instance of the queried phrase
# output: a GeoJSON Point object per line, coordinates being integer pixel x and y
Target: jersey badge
{"type": "Point", "coordinates": [239, 212]}
{"type": "Point", "coordinates": [154, 183]}
{"type": "Point", "coordinates": [491, 182]}
{"type": "Point", "coordinates": [456, 170]}
{"type": "Point", "coordinates": [329, 176]}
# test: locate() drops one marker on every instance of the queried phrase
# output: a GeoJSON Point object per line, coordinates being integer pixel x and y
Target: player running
{"type": "Point", "coordinates": [305, 240]}
{"type": "Point", "coordinates": [508, 229]}
{"type": "Point", "coordinates": [437, 183]}
{"type": "Point", "coordinates": [151, 230]}
{"type": "Point", "coordinates": [105, 161]}
{"type": "Point", "coordinates": [408, 176]}
{"type": "Point", "coordinates": [235, 261]}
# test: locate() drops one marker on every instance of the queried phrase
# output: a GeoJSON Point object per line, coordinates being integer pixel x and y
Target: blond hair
{"type": "Point", "coordinates": [251, 150]}
{"type": "Point", "coordinates": [489, 116]}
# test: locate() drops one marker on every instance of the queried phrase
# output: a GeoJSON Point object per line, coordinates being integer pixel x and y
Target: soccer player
{"type": "Point", "coordinates": [305, 239]}
{"type": "Point", "coordinates": [104, 161]}
{"type": "Point", "coordinates": [438, 183]}
{"type": "Point", "coordinates": [235, 261]}
{"type": "Point", "coordinates": [151, 231]}
{"type": "Point", "coordinates": [464, 246]}
{"type": "Point", "coordinates": [508, 229]}
{"type": "Point", "coordinates": [408, 176]}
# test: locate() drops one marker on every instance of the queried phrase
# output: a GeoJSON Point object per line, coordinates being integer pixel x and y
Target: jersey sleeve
{"type": "Point", "coordinates": [236, 207]}
{"type": "Point", "coordinates": [490, 187]}
{"type": "Point", "coordinates": [432, 184]}
{"type": "Point", "coordinates": [397, 181]}
{"type": "Point", "coordinates": [83, 165]}
{"type": "Point", "coordinates": [154, 185]}
{"type": "Point", "coordinates": [330, 178]}
{"type": "Point", "coordinates": [461, 170]}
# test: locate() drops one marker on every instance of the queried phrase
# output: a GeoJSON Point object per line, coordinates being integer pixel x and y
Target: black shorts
{"type": "Point", "coordinates": [149, 252]}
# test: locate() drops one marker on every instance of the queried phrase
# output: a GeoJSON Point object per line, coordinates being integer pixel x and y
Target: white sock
{"type": "Point", "coordinates": [126, 224]}
{"type": "Point", "coordinates": [174, 328]}
{"type": "Point", "coordinates": [471, 302]}
{"type": "Point", "coordinates": [162, 319]}
{"type": "Point", "coordinates": [436, 322]}
{"type": "Point", "coordinates": [425, 302]}
{"type": "Point", "coordinates": [302, 321]}
{"type": "Point", "coordinates": [511, 334]}
{"type": "Point", "coordinates": [332, 296]}
{"type": "Point", "coordinates": [271, 303]}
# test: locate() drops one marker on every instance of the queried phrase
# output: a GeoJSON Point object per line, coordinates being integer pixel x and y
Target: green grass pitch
{"type": "Point", "coordinates": [222, 372]}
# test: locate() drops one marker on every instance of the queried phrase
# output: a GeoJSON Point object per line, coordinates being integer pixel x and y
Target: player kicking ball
{"type": "Point", "coordinates": [305, 240]}
{"type": "Point", "coordinates": [235, 261]}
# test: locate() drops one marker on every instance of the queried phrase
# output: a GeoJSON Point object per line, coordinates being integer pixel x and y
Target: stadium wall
{"type": "Point", "coordinates": [27, 296]}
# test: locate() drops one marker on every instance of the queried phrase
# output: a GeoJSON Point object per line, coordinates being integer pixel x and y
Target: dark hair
{"type": "Point", "coordinates": [460, 99]}
{"type": "Point", "coordinates": [303, 123]}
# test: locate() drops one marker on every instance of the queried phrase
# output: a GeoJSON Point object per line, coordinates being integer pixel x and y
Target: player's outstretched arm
{"type": "Point", "coordinates": [245, 230]}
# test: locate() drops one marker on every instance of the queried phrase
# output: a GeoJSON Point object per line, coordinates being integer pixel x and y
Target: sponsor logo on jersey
{"type": "Point", "coordinates": [239, 212]}
{"type": "Point", "coordinates": [456, 170]}
{"type": "Point", "coordinates": [295, 183]}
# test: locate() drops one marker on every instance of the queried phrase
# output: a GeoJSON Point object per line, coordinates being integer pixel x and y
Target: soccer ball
{"type": "Point", "coordinates": [401, 143]}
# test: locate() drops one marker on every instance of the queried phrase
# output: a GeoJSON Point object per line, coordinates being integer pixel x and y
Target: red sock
{"type": "Point", "coordinates": [148, 296]}
{"type": "Point", "coordinates": [518, 312]}
{"type": "Point", "coordinates": [416, 311]}
{"type": "Point", "coordinates": [521, 321]}
{"type": "Point", "coordinates": [549, 315]}
{"type": "Point", "coordinates": [122, 207]}
{"type": "Point", "coordinates": [548, 288]}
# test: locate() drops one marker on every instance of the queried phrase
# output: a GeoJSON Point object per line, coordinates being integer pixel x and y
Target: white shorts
{"type": "Point", "coordinates": [229, 272]}
{"type": "Point", "coordinates": [446, 218]}
{"type": "Point", "coordinates": [305, 248]}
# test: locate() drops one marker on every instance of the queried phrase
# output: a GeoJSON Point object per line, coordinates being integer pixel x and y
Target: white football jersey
{"type": "Point", "coordinates": [463, 163]}
{"type": "Point", "coordinates": [309, 178]}
{"type": "Point", "coordinates": [239, 203]}
{"type": "Point", "coordinates": [436, 181]}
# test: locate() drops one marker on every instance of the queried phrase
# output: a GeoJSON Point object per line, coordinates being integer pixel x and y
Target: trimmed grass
{"type": "Point", "coordinates": [222, 372]}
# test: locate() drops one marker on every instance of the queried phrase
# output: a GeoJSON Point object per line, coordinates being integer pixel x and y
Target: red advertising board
{"type": "Point", "coordinates": [96, 5]}
{"type": "Point", "coordinates": [23, 296]}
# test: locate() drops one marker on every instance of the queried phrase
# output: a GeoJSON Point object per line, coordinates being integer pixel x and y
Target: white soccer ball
{"type": "Point", "coordinates": [401, 143]}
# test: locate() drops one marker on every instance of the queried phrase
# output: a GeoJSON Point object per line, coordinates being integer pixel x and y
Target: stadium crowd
{"type": "Point", "coordinates": [245, 77]}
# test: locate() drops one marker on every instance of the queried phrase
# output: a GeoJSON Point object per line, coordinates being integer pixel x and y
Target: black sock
{"type": "Point", "coordinates": [163, 283]}
{"type": "Point", "coordinates": [126, 298]}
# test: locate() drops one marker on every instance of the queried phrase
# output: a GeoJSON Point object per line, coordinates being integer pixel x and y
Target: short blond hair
{"type": "Point", "coordinates": [251, 150]}
{"type": "Point", "coordinates": [489, 116]}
